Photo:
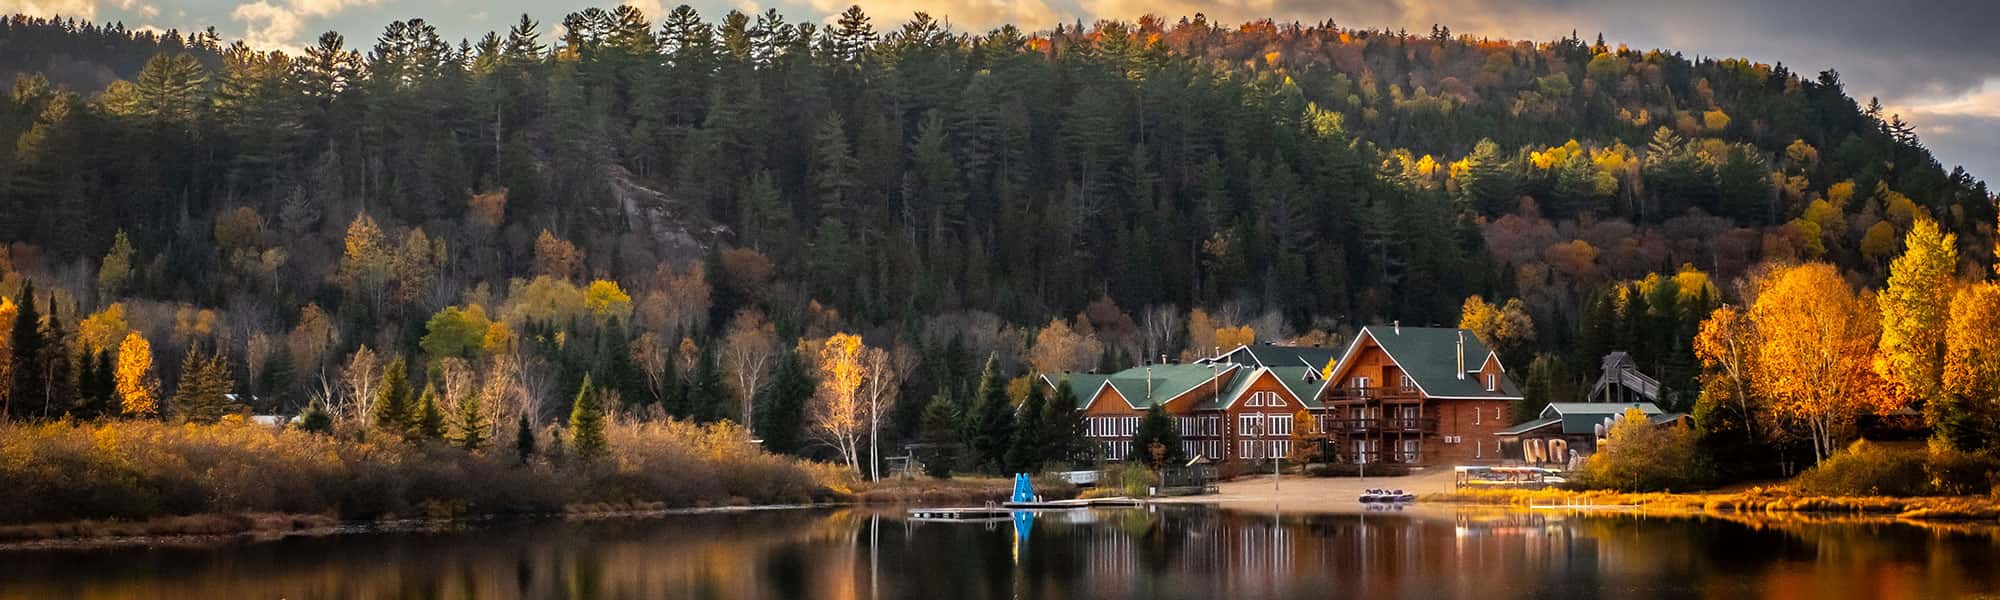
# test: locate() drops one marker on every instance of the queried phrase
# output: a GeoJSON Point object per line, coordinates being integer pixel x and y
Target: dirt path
{"type": "Point", "coordinates": [1295, 493]}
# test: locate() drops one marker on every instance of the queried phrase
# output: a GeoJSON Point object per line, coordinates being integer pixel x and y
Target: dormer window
{"type": "Point", "coordinates": [1492, 382]}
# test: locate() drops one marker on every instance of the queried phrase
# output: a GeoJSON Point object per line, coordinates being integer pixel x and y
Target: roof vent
{"type": "Point", "coordinates": [1461, 354]}
{"type": "Point", "coordinates": [1398, 325]}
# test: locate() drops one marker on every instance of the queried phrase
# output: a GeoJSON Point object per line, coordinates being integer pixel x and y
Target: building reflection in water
{"type": "Point", "coordinates": [1142, 553]}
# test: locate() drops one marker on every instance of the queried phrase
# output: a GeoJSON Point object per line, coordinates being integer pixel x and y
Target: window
{"type": "Point", "coordinates": [1410, 448]}
{"type": "Point", "coordinates": [1280, 448]}
{"type": "Point", "coordinates": [1280, 425]}
{"type": "Point", "coordinates": [1478, 449]}
{"type": "Point", "coordinates": [1256, 399]}
{"type": "Point", "coordinates": [1408, 382]}
{"type": "Point", "coordinates": [1475, 415]}
{"type": "Point", "coordinates": [1492, 382]}
{"type": "Point", "coordinates": [1275, 399]}
{"type": "Point", "coordinates": [1249, 425]}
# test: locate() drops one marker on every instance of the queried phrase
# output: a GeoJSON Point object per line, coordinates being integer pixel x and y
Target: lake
{"type": "Point", "coordinates": [1163, 552]}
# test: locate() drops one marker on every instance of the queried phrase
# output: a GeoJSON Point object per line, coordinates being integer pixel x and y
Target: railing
{"type": "Point", "coordinates": [1362, 394]}
{"type": "Point", "coordinates": [1391, 425]}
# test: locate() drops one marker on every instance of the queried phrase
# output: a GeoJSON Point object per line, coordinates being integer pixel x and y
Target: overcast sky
{"type": "Point", "coordinates": [1933, 61]}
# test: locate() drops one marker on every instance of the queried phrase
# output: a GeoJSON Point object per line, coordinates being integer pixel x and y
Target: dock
{"type": "Point", "coordinates": [1006, 510]}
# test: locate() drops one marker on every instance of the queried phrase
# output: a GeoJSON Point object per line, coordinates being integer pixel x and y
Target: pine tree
{"type": "Point", "coordinates": [203, 395]}
{"type": "Point", "coordinates": [1157, 429]}
{"type": "Point", "coordinates": [315, 420]}
{"type": "Point", "coordinates": [1025, 450]}
{"type": "Point", "coordinates": [707, 396]}
{"type": "Point", "coordinates": [471, 425]}
{"type": "Point", "coordinates": [524, 440]}
{"type": "Point", "coordinates": [781, 407]}
{"type": "Point", "coordinates": [393, 410]}
{"type": "Point", "coordinates": [939, 432]}
{"type": "Point", "coordinates": [586, 424]}
{"type": "Point", "coordinates": [993, 421]}
{"type": "Point", "coordinates": [429, 421]}
{"type": "Point", "coordinates": [28, 348]}
{"type": "Point", "coordinates": [1063, 427]}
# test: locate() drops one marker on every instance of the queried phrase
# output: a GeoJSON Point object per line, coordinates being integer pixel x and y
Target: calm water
{"type": "Point", "coordinates": [1165, 553]}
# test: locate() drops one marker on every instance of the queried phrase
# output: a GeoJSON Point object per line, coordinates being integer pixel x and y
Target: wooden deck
{"type": "Point", "coordinates": [1004, 511]}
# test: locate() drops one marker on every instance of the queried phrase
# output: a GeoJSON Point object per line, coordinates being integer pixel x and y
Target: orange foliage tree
{"type": "Point", "coordinates": [1815, 342]}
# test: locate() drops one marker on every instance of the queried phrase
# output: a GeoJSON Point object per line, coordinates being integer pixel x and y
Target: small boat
{"type": "Point", "coordinates": [1374, 496]}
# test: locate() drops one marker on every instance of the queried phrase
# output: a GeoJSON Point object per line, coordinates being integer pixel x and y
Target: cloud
{"type": "Point", "coordinates": [977, 16]}
{"type": "Point", "coordinates": [81, 9]}
{"type": "Point", "coordinates": [278, 25]}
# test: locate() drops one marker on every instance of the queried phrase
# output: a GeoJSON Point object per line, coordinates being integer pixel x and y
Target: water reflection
{"type": "Point", "coordinates": [1139, 553]}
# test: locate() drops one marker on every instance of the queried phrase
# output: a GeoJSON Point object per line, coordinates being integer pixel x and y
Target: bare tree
{"type": "Point", "coordinates": [747, 351]}
{"type": "Point", "coordinates": [883, 373]}
{"type": "Point", "coordinates": [358, 385]}
{"type": "Point", "coordinates": [1162, 328]}
{"type": "Point", "coordinates": [650, 353]}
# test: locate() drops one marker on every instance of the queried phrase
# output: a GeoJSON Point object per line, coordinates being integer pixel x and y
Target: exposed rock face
{"type": "Point", "coordinates": [677, 232]}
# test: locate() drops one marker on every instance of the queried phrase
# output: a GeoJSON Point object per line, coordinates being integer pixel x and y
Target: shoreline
{"type": "Point", "coordinates": [1755, 501]}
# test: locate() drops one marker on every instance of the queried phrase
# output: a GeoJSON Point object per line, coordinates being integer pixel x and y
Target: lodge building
{"type": "Point", "coordinates": [1410, 395]}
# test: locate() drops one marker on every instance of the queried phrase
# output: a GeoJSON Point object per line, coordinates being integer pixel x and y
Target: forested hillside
{"type": "Point", "coordinates": [671, 205]}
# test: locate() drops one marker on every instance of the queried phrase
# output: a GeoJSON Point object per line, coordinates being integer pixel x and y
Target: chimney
{"type": "Point", "coordinates": [1461, 354]}
{"type": "Point", "coordinates": [1398, 325]}
{"type": "Point", "coordinates": [1149, 384]}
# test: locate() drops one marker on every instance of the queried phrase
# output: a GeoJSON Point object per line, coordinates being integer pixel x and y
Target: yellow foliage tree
{"type": "Point", "coordinates": [605, 300]}
{"type": "Point", "coordinates": [1914, 309]}
{"type": "Point", "coordinates": [1715, 120]}
{"type": "Point", "coordinates": [1305, 437]}
{"type": "Point", "coordinates": [1500, 327]}
{"type": "Point", "coordinates": [103, 329]}
{"type": "Point", "coordinates": [1231, 337]}
{"type": "Point", "coordinates": [7, 311]}
{"type": "Point", "coordinates": [1815, 342]}
{"type": "Point", "coordinates": [1061, 349]}
{"type": "Point", "coordinates": [1972, 352]}
{"type": "Point", "coordinates": [138, 389]}
{"type": "Point", "coordinates": [838, 417]}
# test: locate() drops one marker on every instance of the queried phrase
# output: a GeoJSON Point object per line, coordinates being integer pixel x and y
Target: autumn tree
{"type": "Point", "coordinates": [556, 257]}
{"type": "Point", "coordinates": [1971, 370]}
{"type": "Point", "coordinates": [1914, 310]}
{"type": "Point", "coordinates": [1060, 349]}
{"type": "Point", "coordinates": [1816, 339]}
{"type": "Point", "coordinates": [839, 415]}
{"type": "Point", "coordinates": [1506, 328]}
{"type": "Point", "coordinates": [138, 388]}
{"type": "Point", "coordinates": [1306, 437]}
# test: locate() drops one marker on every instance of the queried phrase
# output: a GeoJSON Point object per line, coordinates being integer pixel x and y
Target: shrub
{"type": "Point", "coordinates": [141, 469]}
{"type": "Point", "coordinates": [1639, 456]}
{"type": "Point", "coordinates": [1953, 472]}
{"type": "Point", "coordinates": [1867, 469]}
{"type": "Point", "coordinates": [1129, 479]}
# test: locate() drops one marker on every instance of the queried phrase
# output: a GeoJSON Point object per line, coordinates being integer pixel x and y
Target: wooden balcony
{"type": "Point", "coordinates": [1350, 427]}
{"type": "Point", "coordinates": [1364, 395]}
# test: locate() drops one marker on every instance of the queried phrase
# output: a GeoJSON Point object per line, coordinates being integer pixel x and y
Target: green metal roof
{"type": "Point", "coordinates": [1166, 382]}
{"type": "Point", "coordinates": [1429, 355]}
{"type": "Point", "coordinates": [1234, 389]}
{"type": "Point", "coordinates": [1529, 426]}
{"type": "Point", "coordinates": [1275, 356]}
{"type": "Point", "coordinates": [1584, 417]}
{"type": "Point", "coordinates": [1304, 383]}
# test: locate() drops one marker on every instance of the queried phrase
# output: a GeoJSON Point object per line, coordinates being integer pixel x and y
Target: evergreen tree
{"type": "Point", "coordinates": [1063, 428]}
{"type": "Point", "coordinates": [586, 424]}
{"type": "Point", "coordinates": [781, 406]}
{"type": "Point", "coordinates": [470, 427]}
{"type": "Point", "coordinates": [28, 391]}
{"type": "Point", "coordinates": [204, 387]}
{"type": "Point", "coordinates": [1029, 443]}
{"type": "Point", "coordinates": [1157, 441]}
{"type": "Point", "coordinates": [524, 440]}
{"type": "Point", "coordinates": [393, 410]}
{"type": "Point", "coordinates": [939, 432]}
{"type": "Point", "coordinates": [707, 396]}
{"type": "Point", "coordinates": [429, 421]}
{"type": "Point", "coordinates": [315, 420]}
{"type": "Point", "coordinates": [993, 421]}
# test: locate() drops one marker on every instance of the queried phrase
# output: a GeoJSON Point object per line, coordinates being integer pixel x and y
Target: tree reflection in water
{"type": "Point", "coordinates": [1178, 552]}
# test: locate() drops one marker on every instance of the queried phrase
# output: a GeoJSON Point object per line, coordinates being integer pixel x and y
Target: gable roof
{"type": "Point", "coordinates": [1429, 355]}
{"type": "Point", "coordinates": [1166, 383]}
{"type": "Point", "coordinates": [1584, 417]}
{"type": "Point", "coordinates": [1276, 356]}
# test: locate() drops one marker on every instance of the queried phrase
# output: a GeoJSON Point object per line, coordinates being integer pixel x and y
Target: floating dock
{"type": "Point", "coordinates": [1120, 502]}
{"type": "Point", "coordinates": [1004, 511]}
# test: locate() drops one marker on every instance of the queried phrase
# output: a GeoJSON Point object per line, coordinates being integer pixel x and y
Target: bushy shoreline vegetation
{"type": "Point", "coordinates": [136, 470]}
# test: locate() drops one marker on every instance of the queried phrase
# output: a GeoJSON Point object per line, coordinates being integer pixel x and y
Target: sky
{"type": "Point", "coordinates": [1932, 61]}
